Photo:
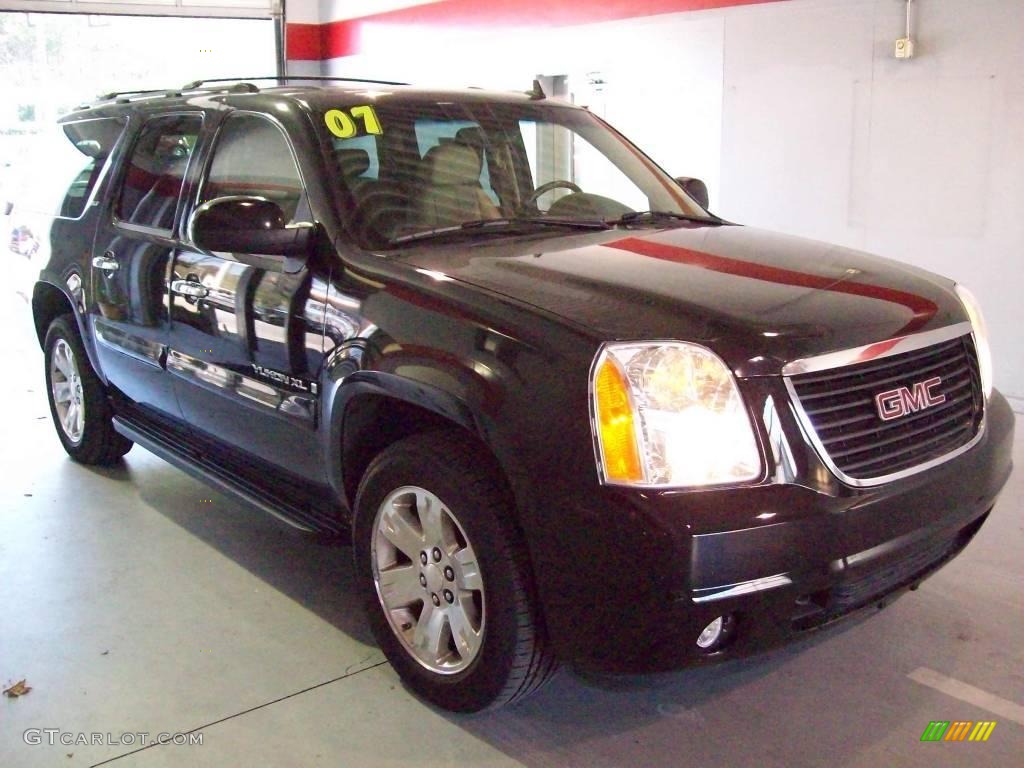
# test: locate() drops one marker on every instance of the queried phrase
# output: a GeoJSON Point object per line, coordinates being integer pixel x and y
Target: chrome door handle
{"type": "Point", "coordinates": [107, 262]}
{"type": "Point", "coordinates": [189, 288]}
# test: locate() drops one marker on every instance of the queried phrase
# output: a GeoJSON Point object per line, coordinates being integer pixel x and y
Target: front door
{"type": "Point", "coordinates": [132, 261]}
{"type": "Point", "coordinates": [246, 342]}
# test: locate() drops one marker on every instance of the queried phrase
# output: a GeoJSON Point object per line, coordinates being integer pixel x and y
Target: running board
{"type": "Point", "coordinates": [202, 468]}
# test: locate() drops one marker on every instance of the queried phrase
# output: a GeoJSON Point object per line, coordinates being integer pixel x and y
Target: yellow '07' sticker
{"type": "Point", "coordinates": [356, 121]}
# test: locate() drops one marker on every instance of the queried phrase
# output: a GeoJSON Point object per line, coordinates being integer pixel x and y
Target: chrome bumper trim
{"type": "Point", "coordinates": [745, 588]}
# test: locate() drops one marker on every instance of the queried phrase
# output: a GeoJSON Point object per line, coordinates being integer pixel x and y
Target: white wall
{"type": "Point", "coordinates": [800, 119]}
{"type": "Point", "coordinates": [826, 134]}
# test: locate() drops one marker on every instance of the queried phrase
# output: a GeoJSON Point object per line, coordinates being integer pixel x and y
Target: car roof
{"type": "Point", "coordinates": [324, 94]}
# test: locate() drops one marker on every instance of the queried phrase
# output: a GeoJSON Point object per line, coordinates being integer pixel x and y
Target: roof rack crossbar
{"type": "Point", "coordinates": [199, 83]}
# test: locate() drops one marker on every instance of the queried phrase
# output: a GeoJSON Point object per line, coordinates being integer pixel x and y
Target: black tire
{"type": "Point", "coordinates": [513, 659]}
{"type": "Point", "coordinates": [98, 442]}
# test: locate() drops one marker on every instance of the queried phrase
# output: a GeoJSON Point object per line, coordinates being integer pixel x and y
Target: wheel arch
{"type": "Point", "coordinates": [48, 303]}
{"type": "Point", "coordinates": [371, 410]}
{"type": "Point", "coordinates": [50, 300]}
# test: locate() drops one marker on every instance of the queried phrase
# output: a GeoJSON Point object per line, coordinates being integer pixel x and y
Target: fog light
{"type": "Point", "coordinates": [712, 634]}
{"type": "Point", "coordinates": [718, 634]}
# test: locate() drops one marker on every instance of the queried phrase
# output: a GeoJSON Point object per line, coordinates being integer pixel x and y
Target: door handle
{"type": "Point", "coordinates": [107, 262]}
{"type": "Point", "coordinates": [190, 288]}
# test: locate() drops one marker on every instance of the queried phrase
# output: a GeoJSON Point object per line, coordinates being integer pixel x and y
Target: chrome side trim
{"type": "Point", "coordinates": [135, 347]}
{"type": "Point", "coordinates": [745, 588]}
{"type": "Point", "coordinates": [875, 351]}
{"type": "Point", "coordinates": [233, 384]}
{"type": "Point", "coordinates": [917, 341]}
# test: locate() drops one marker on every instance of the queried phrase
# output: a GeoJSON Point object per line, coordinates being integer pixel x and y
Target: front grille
{"type": "Point", "coordinates": [839, 407]}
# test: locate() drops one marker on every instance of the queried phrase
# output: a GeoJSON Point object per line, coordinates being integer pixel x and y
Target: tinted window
{"type": "Point", "coordinates": [91, 142]}
{"type": "Point", "coordinates": [153, 179]}
{"type": "Point", "coordinates": [253, 157]}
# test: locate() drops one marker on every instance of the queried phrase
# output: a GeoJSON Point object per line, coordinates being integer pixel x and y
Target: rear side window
{"type": "Point", "coordinates": [73, 163]}
{"type": "Point", "coordinates": [253, 157]}
{"type": "Point", "coordinates": [156, 171]}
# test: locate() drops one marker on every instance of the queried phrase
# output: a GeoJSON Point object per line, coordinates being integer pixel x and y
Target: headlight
{"type": "Point", "coordinates": [973, 310]}
{"type": "Point", "coordinates": [668, 414]}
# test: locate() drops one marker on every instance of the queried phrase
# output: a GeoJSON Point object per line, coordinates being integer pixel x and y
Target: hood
{"type": "Point", "coordinates": [758, 299]}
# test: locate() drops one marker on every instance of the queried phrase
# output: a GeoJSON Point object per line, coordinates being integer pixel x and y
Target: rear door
{"type": "Point", "coordinates": [246, 342]}
{"type": "Point", "coordinates": [132, 260]}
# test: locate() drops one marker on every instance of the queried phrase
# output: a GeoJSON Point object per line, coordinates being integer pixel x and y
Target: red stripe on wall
{"type": "Point", "coordinates": [303, 42]}
{"type": "Point", "coordinates": [344, 38]}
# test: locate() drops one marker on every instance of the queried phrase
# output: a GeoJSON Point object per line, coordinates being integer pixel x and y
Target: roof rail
{"type": "Point", "coordinates": [115, 94]}
{"type": "Point", "coordinates": [282, 78]}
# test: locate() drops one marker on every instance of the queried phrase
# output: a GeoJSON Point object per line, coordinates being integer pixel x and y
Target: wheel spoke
{"type": "Point", "coordinates": [429, 511]}
{"type": "Point", "coordinates": [62, 360]}
{"type": "Point", "coordinates": [429, 634]}
{"type": "Point", "coordinates": [467, 576]}
{"type": "Point", "coordinates": [70, 419]}
{"type": "Point", "coordinates": [397, 529]}
{"type": "Point", "coordinates": [467, 638]}
{"type": "Point", "coordinates": [61, 391]}
{"type": "Point", "coordinates": [400, 586]}
{"type": "Point", "coordinates": [79, 418]}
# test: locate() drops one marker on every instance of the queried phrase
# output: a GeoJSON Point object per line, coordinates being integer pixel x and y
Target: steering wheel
{"type": "Point", "coordinates": [545, 188]}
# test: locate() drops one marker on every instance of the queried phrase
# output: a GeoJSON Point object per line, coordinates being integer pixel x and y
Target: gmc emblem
{"type": "Point", "coordinates": [894, 403]}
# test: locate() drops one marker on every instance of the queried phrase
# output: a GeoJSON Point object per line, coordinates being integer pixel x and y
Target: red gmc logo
{"type": "Point", "coordinates": [894, 403]}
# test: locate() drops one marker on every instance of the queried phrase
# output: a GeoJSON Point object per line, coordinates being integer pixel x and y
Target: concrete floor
{"type": "Point", "coordinates": [138, 600]}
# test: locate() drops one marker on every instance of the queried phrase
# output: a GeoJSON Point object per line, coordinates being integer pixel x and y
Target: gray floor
{"type": "Point", "coordinates": [138, 600]}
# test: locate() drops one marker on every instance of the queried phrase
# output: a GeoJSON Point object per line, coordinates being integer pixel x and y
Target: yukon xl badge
{"type": "Point", "coordinates": [283, 378]}
{"type": "Point", "coordinates": [894, 403]}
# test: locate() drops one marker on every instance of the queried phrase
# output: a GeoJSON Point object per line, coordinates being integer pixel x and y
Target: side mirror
{"type": "Point", "coordinates": [243, 225]}
{"type": "Point", "coordinates": [696, 189]}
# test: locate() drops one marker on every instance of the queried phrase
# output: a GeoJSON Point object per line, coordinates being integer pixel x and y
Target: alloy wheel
{"type": "Point", "coordinates": [66, 386]}
{"type": "Point", "coordinates": [428, 580]}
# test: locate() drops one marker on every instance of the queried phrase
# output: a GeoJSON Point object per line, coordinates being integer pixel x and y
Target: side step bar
{"type": "Point", "coordinates": [202, 468]}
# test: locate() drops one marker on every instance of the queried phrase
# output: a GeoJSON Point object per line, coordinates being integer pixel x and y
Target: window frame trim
{"type": "Point", "coordinates": [211, 154]}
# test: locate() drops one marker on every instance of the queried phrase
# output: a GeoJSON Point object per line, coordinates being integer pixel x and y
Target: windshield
{"type": "Point", "coordinates": [413, 169]}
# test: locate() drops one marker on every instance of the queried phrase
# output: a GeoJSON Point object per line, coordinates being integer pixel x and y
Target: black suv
{"type": "Point", "coordinates": [565, 412]}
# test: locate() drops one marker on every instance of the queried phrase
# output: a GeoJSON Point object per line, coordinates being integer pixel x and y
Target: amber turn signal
{"type": "Point", "coordinates": [615, 425]}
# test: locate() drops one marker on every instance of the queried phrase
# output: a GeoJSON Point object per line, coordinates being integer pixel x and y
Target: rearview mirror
{"type": "Point", "coordinates": [696, 189]}
{"type": "Point", "coordinates": [243, 224]}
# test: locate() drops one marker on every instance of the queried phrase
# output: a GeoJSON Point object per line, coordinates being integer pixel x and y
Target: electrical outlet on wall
{"type": "Point", "coordinates": [904, 48]}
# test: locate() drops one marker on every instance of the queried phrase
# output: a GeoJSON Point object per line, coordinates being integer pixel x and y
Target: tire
{"type": "Point", "coordinates": [78, 401]}
{"type": "Point", "coordinates": [502, 655]}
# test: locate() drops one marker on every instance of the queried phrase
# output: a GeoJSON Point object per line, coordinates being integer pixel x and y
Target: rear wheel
{"type": "Point", "coordinates": [445, 577]}
{"type": "Point", "coordinates": [78, 402]}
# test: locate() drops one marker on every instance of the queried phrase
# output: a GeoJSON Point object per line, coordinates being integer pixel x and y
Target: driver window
{"type": "Point", "coordinates": [253, 157]}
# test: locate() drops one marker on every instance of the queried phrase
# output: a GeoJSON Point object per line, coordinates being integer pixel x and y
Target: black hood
{"type": "Point", "coordinates": [759, 299]}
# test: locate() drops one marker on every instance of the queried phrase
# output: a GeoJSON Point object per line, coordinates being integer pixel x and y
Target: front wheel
{"type": "Point", "coordinates": [78, 402]}
{"type": "Point", "coordinates": [445, 578]}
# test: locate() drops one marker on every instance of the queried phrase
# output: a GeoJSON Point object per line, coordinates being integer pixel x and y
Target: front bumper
{"type": "Point", "coordinates": [782, 558]}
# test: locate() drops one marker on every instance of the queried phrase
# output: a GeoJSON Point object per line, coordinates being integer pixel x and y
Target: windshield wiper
{"type": "Point", "coordinates": [639, 217]}
{"type": "Point", "coordinates": [502, 226]}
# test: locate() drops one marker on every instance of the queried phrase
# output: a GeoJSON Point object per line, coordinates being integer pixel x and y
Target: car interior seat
{"type": "Point", "coordinates": [452, 192]}
{"type": "Point", "coordinates": [380, 207]}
